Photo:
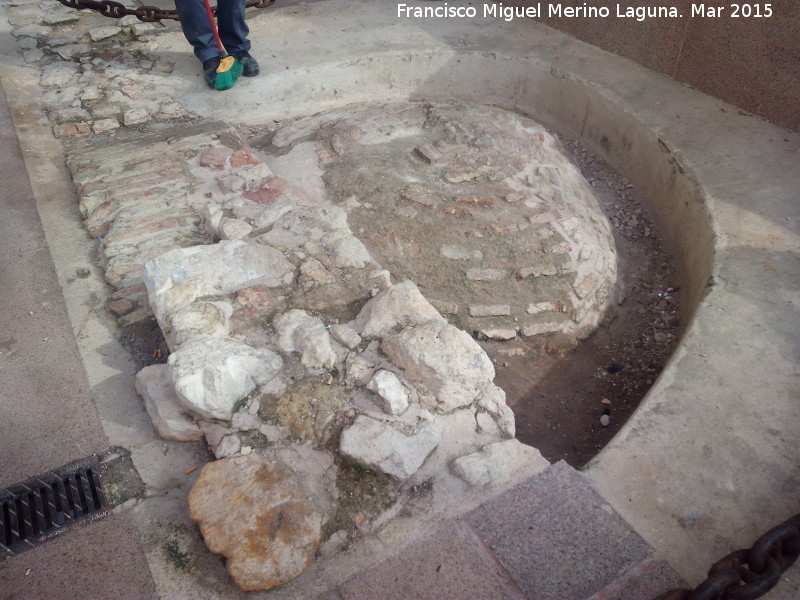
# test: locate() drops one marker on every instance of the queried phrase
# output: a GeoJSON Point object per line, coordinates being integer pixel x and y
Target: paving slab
{"type": "Point", "coordinates": [444, 565]}
{"type": "Point", "coordinates": [558, 539]}
{"type": "Point", "coordinates": [642, 582]}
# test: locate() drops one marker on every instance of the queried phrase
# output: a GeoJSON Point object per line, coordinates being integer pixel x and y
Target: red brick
{"type": "Point", "coordinates": [257, 295]}
{"type": "Point", "coordinates": [214, 158]}
{"type": "Point", "coordinates": [72, 129]}
{"type": "Point", "coordinates": [474, 200]}
{"type": "Point", "coordinates": [458, 211]}
{"type": "Point", "coordinates": [244, 157]}
{"type": "Point", "coordinates": [120, 307]}
{"type": "Point", "coordinates": [275, 188]}
{"type": "Point", "coordinates": [129, 291]}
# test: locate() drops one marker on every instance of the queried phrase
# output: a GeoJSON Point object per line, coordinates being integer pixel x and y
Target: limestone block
{"type": "Point", "coordinates": [496, 463]}
{"type": "Point", "coordinates": [358, 370]}
{"type": "Point", "coordinates": [228, 446]}
{"type": "Point", "coordinates": [234, 229]}
{"type": "Point", "coordinates": [154, 385]}
{"type": "Point", "coordinates": [401, 304]}
{"type": "Point", "coordinates": [393, 394]}
{"type": "Point", "coordinates": [101, 33]}
{"type": "Point", "coordinates": [349, 252]}
{"type": "Point", "coordinates": [199, 318]}
{"type": "Point", "coordinates": [286, 324]}
{"type": "Point", "coordinates": [380, 446]}
{"type": "Point", "coordinates": [313, 342]}
{"type": "Point", "coordinates": [211, 375]}
{"type": "Point", "coordinates": [441, 360]}
{"type": "Point", "coordinates": [345, 335]}
{"type": "Point", "coordinates": [58, 74]}
{"type": "Point", "coordinates": [493, 400]}
{"type": "Point", "coordinates": [255, 515]}
{"type": "Point", "coordinates": [183, 275]}
{"type": "Point", "coordinates": [299, 332]}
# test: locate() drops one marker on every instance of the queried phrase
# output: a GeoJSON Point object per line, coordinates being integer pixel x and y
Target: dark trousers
{"type": "Point", "coordinates": [230, 23]}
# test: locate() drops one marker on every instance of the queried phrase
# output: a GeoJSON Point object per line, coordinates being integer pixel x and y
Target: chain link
{"type": "Point", "coordinates": [748, 574]}
{"type": "Point", "coordinates": [148, 14]}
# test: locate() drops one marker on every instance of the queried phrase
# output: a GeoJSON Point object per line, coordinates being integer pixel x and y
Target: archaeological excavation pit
{"type": "Point", "coordinates": [344, 294]}
{"type": "Point", "coordinates": [395, 257]}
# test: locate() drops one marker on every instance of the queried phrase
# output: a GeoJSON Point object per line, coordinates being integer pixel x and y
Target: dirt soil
{"type": "Point", "coordinates": [558, 399]}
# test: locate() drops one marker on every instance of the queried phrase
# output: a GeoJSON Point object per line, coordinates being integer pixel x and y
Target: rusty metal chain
{"type": "Point", "coordinates": [748, 574]}
{"type": "Point", "coordinates": [148, 14]}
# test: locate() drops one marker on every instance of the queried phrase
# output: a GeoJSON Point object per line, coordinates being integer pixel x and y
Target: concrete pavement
{"type": "Point", "coordinates": [47, 409]}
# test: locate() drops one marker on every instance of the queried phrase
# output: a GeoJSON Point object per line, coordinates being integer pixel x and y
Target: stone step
{"type": "Point", "coordinates": [550, 538]}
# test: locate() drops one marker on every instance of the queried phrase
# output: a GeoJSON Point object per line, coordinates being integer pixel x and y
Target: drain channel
{"type": "Point", "coordinates": [45, 506]}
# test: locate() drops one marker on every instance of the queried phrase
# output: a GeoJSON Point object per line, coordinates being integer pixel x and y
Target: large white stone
{"type": "Point", "coordinates": [393, 394]}
{"type": "Point", "coordinates": [154, 385]}
{"type": "Point", "coordinates": [383, 448]}
{"type": "Point", "coordinates": [183, 275]}
{"type": "Point", "coordinates": [401, 304]}
{"type": "Point", "coordinates": [496, 463]}
{"type": "Point", "coordinates": [313, 342]}
{"type": "Point", "coordinates": [211, 375]}
{"type": "Point", "coordinates": [200, 318]}
{"type": "Point", "coordinates": [441, 360]}
{"type": "Point", "coordinates": [300, 332]}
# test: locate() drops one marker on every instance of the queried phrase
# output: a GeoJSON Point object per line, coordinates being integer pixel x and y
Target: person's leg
{"type": "Point", "coordinates": [233, 31]}
{"type": "Point", "coordinates": [197, 29]}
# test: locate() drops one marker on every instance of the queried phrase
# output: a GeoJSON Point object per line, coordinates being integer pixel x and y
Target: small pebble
{"type": "Point", "coordinates": [605, 419]}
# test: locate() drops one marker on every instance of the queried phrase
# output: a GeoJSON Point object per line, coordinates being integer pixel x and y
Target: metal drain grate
{"type": "Point", "coordinates": [50, 504]}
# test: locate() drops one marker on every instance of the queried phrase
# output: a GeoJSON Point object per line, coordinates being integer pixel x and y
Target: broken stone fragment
{"type": "Point", "coordinates": [313, 342]}
{"type": "Point", "coordinates": [212, 375]}
{"type": "Point", "coordinates": [454, 252]}
{"type": "Point", "coordinates": [495, 310]}
{"type": "Point", "coordinates": [492, 399]}
{"type": "Point", "coordinates": [228, 446]}
{"type": "Point", "coordinates": [200, 318]}
{"type": "Point", "coordinates": [358, 370]}
{"type": "Point", "coordinates": [313, 273]}
{"type": "Point", "coordinates": [393, 394]}
{"type": "Point", "coordinates": [429, 154]}
{"type": "Point", "coordinates": [154, 385]}
{"type": "Point", "coordinates": [496, 463]}
{"type": "Point", "coordinates": [234, 229]}
{"type": "Point", "coordinates": [383, 448]}
{"type": "Point", "coordinates": [401, 304]}
{"type": "Point", "coordinates": [254, 513]}
{"type": "Point", "coordinates": [499, 333]}
{"type": "Point", "coordinates": [441, 360]}
{"type": "Point", "coordinates": [347, 251]}
{"type": "Point", "coordinates": [345, 335]}
{"type": "Point", "coordinates": [101, 33]}
{"type": "Point", "coordinates": [299, 332]}
{"type": "Point", "coordinates": [540, 328]}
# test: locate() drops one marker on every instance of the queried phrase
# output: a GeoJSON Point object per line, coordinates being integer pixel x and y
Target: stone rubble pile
{"type": "Point", "coordinates": [366, 371]}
